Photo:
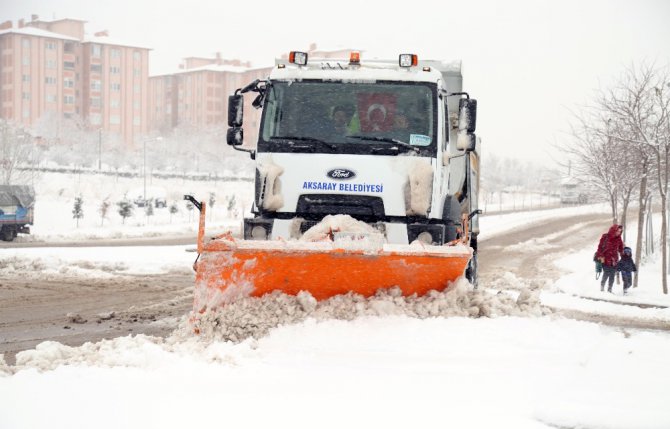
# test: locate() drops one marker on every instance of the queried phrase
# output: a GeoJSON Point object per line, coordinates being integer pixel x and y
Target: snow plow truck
{"type": "Point", "coordinates": [367, 177]}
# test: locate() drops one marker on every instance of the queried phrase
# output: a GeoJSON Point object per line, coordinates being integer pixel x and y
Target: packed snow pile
{"type": "Point", "coordinates": [341, 227]}
{"type": "Point", "coordinates": [250, 319]}
{"type": "Point", "coordinates": [254, 317]}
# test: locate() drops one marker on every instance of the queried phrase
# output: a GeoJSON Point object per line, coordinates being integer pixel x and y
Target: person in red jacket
{"type": "Point", "coordinates": [609, 250]}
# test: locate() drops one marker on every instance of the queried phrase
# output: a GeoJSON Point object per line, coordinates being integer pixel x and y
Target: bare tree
{"type": "Point", "coordinates": [104, 210]}
{"type": "Point", "coordinates": [16, 153]}
{"type": "Point", "coordinates": [641, 102]}
{"type": "Point", "coordinates": [596, 157]}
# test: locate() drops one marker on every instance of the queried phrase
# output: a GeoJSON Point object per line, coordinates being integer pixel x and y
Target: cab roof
{"type": "Point", "coordinates": [370, 70]}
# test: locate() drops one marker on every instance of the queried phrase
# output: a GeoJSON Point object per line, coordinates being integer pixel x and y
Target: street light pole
{"type": "Point", "coordinates": [145, 172]}
{"type": "Point", "coordinates": [99, 149]}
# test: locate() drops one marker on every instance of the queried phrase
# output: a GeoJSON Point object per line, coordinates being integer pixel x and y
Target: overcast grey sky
{"type": "Point", "coordinates": [528, 62]}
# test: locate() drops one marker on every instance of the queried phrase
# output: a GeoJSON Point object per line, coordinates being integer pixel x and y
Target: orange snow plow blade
{"type": "Point", "coordinates": [228, 269]}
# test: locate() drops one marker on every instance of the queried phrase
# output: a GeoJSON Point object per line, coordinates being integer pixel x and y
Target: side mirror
{"type": "Point", "coordinates": [467, 115]}
{"type": "Point", "coordinates": [466, 141]}
{"type": "Point", "coordinates": [258, 101]}
{"type": "Point", "coordinates": [235, 110]}
{"type": "Point", "coordinates": [235, 136]}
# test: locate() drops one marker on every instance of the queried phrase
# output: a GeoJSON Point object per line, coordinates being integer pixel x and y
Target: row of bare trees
{"type": "Point", "coordinates": [622, 147]}
{"type": "Point", "coordinates": [70, 143]}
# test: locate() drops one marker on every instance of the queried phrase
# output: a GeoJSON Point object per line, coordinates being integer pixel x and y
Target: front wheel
{"type": "Point", "coordinates": [471, 271]}
{"type": "Point", "coordinates": [7, 233]}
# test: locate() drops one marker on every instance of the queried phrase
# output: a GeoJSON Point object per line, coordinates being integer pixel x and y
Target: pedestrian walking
{"type": "Point", "coordinates": [626, 266]}
{"type": "Point", "coordinates": [609, 250]}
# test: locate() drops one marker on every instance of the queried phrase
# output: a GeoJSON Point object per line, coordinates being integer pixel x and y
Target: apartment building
{"type": "Point", "coordinates": [197, 94]}
{"type": "Point", "coordinates": [52, 70]}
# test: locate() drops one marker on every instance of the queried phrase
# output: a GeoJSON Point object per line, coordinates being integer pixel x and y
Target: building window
{"type": "Point", "coordinates": [95, 101]}
{"type": "Point", "coordinates": [136, 120]}
{"type": "Point", "coordinates": [68, 99]}
{"type": "Point", "coordinates": [26, 60]}
{"type": "Point", "coordinates": [136, 55]}
{"type": "Point", "coordinates": [136, 104]}
{"type": "Point", "coordinates": [50, 80]}
{"type": "Point", "coordinates": [136, 88]}
{"type": "Point", "coordinates": [115, 70]}
{"type": "Point", "coordinates": [25, 43]}
{"type": "Point", "coordinates": [25, 78]}
{"type": "Point", "coordinates": [96, 50]}
{"type": "Point", "coordinates": [68, 47]}
{"type": "Point", "coordinates": [26, 113]}
{"type": "Point", "coordinates": [114, 103]}
{"type": "Point", "coordinates": [50, 45]}
{"type": "Point", "coordinates": [115, 86]}
{"type": "Point", "coordinates": [51, 98]}
{"type": "Point", "coordinates": [96, 85]}
{"type": "Point", "coordinates": [68, 65]}
{"type": "Point", "coordinates": [96, 68]}
{"type": "Point", "coordinates": [114, 119]}
{"type": "Point", "coordinates": [51, 64]}
{"type": "Point", "coordinates": [68, 82]}
{"type": "Point", "coordinates": [95, 119]}
{"type": "Point", "coordinates": [136, 72]}
{"type": "Point", "coordinates": [26, 96]}
{"type": "Point", "coordinates": [115, 53]}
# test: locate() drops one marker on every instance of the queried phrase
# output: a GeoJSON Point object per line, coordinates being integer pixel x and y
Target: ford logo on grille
{"type": "Point", "coordinates": [341, 174]}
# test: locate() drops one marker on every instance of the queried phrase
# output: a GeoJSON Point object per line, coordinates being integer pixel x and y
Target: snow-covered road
{"type": "Point", "coordinates": [511, 369]}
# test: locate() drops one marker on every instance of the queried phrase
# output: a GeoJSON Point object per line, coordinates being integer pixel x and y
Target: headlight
{"type": "Point", "coordinates": [427, 233]}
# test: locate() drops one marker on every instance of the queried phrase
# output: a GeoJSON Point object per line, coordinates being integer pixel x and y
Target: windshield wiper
{"type": "Point", "coordinates": [306, 139]}
{"type": "Point", "coordinates": [396, 142]}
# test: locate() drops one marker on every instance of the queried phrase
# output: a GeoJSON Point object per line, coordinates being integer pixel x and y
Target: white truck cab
{"type": "Point", "coordinates": [390, 143]}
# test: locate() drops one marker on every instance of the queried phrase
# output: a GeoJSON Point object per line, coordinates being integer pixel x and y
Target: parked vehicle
{"type": "Point", "coordinates": [16, 210]}
{"type": "Point", "coordinates": [153, 193]}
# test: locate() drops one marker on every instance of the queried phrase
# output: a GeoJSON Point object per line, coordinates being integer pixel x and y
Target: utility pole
{"type": "Point", "coordinates": [99, 149]}
{"type": "Point", "coordinates": [144, 149]}
{"type": "Point", "coordinates": [144, 169]}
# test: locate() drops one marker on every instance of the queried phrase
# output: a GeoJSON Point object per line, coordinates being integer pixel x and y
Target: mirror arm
{"type": "Point", "coordinates": [251, 152]}
{"type": "Point", "coordinates": [450, 94]}
{"type": "Point", "coordinates": [253, 86]}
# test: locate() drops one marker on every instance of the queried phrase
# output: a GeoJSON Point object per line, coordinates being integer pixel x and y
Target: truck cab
{"type": "Point", "coordinates": [390, 143]}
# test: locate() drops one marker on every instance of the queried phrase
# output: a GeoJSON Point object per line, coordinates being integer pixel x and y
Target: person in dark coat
{"type": "Point", "coordinates": [610, 248]}
{"type": "Point", "coordinates": [626, 266]}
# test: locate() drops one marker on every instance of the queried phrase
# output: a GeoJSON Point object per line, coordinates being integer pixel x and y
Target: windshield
{"type": "Point", "coordinates": [387, 118]}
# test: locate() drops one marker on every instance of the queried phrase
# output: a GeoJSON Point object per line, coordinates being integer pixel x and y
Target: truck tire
{"type": "Point", "coordinates": [7, 233]}
{"type": "Point", "coordinates": [471, 270]}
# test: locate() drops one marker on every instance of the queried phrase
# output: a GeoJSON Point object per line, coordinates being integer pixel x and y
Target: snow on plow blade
{"type": "Point", "coordinates": [228, 269]}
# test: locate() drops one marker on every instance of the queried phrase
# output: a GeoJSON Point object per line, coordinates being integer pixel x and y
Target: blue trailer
{"type": "Point", "coordinates": [16, 210]}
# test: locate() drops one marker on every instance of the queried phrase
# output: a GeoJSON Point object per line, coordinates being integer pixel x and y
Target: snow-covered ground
{"type": "Point", "coordinates": [56, 193]}
{"type": "Point", "coordinates": [517, 368]}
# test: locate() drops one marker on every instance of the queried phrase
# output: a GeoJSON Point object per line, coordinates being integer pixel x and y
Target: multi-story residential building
{"type": "Point", "coordinates": [197, 94]}
{"type": "Point", "coordinates": [51, 69]}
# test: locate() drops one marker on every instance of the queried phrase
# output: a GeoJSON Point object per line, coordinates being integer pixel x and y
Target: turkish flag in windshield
{"type": "Point", "coordinates": [376, 111]}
